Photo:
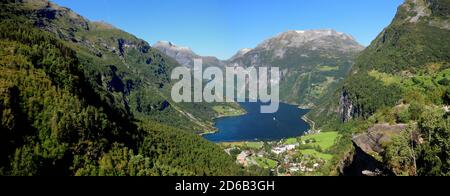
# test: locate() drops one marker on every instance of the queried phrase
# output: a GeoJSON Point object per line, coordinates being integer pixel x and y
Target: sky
{"type": "Point", "coordinates": [222, 27]}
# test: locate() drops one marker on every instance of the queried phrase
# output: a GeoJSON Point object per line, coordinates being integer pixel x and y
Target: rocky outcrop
{"type": "Point", "coordinates": [439, 8]}
{"type": "Point", "coordinates": [368, 146]}
{"type": "Point", "coordinates": [436, 12]}
{"type": "Point", "coordinates": [359, 163]}
{"type": "Point", "coordinates": [378, 136]}
{"type": "Point", "coordinates": [47, 12]}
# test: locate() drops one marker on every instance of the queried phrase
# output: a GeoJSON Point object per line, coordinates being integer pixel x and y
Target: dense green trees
{"type": "Point", "coordinates": [402, 77]}
{"type": "Point", "coordinates": [56, 120]}
{"type": "Point", "coordinates": [425, 148]}
{"type": "Point", "coordinates": [400, 156]}
{"type": "Point", "coordinates": [369, 95]}
{"type": "Point", "coordinates": [434, 154]}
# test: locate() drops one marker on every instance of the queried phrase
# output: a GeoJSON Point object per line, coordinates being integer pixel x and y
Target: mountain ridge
{"type": "Point", "coordinates": [395, 96]}
{"type": "Point", "coordinates": [185, 55]}
{"type": "Point", "coordinates": [312, 62]}
{"type": "Point", "coordinates": [82, 98]}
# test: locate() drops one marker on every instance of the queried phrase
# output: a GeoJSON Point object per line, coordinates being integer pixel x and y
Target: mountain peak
{"type": "Point", "coordinates": [184, 55]}
{"type": "Point", "coordinates": [241, 53]}
{"type": "Point", "coordinates": [172, 46]}
{"type": "Point", "coordinates": [416, 9]}
{"type": "Point", "coordinates": [434, 12]}
{"type": "Point", "coordinates": [317, 34]}
{"type": "Point", "coordinates": [320, 39]}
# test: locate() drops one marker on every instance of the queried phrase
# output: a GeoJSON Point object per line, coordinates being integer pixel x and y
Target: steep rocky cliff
{"type": "Point", "coordinates": [416, 39]}
{"type": "Point", "coordinates": [369, 148]}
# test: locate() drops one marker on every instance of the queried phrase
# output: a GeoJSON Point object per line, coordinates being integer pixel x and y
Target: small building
{"type": "Point", "coordinates": [283, 149]}
{"type": "Point", "coordinates": [294, 169]}
{"type": "Point", "coordinates": [316, 165]}
{"type": "Point", "coordinates": [261, 154]}
{"type": "Point", "coordinates": [242, 158]}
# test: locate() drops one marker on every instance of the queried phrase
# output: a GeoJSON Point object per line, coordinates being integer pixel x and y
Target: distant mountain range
{"type": "Point", "coordinates": [313, 62]}
{"type": "Point", "coordinates": [185, 56]}
{"type": "Point", "coordinates": [85, 98]}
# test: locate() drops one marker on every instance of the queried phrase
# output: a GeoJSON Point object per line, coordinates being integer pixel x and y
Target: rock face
{"type": "Point", "coordinates": [369, 145]}
{"type": "Point", "coordinates": [185, 56]}
{"type": "Point", "coordinates": [360, 163]}
{"type": "Point", "coordinates": [419, 10]}
{"type": "Point", "coordinates": [46, 12]}
{"type": "Point", "coordinates": [312, 62]}
{"type": "Point", "coordinates": [346, 108]}
{"type": "Point", "coordinates": [373, 141]}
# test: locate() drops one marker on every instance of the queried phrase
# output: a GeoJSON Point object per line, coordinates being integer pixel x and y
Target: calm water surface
{"type": "Point", "coordinates": [253, 126]}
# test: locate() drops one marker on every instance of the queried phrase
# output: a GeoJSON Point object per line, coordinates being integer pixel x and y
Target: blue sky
{"type": "Point", "coordinates": [221, 27]}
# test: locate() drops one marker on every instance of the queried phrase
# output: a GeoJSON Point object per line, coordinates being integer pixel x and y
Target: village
{"type": "Point", "coordinates": [304, 155]}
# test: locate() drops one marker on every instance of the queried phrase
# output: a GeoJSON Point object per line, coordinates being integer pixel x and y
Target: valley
{"type": "Point", "coordinates": [253, 125]}
{"type": "Point", "coordinates": [312, 63]}
{"type": "Point", "coordinates": [306, 155]}
{"type": "Point", "coordinates": [85, 98]}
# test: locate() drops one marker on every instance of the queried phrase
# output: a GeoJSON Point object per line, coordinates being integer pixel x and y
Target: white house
{"type": "Point", "coordinates": [283, 149]}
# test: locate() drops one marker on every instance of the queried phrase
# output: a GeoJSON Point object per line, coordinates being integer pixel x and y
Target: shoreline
{"type": "Point", "coordinates": [308, 121]}
{"type": "Point", "coordinates": [244, 112]}
{"type": "Point", "coordinates": [311, 123]}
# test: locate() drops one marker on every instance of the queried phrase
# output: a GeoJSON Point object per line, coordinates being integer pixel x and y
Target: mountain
{"type": "Point", "coordinates": [85, 98]}
{"type": "Point", "coordinates": [240, 54]}
{"type": "Point", "coordinates": [415, 42]}
{"type": "Point", "coordinates": [400, 80]}
{"type": "Point", "coordinates": [123, 65]}
{"type": "Point", "coordinates": [185, 56]}
{"type": "Point", "coordinates": [312, 62]}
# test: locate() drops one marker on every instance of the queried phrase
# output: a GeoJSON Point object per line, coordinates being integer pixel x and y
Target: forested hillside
{"type": "Point", "coordinates": [401, 78]}
{"type": "Point", "coordinates": [83, 98]}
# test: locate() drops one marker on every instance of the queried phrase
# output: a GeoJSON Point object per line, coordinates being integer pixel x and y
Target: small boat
{"type": "Point", "coordinates": [274, 118]}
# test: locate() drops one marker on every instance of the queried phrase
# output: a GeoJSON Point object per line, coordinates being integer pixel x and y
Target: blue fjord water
{"type": "Point", "coordinates": [254, 126]}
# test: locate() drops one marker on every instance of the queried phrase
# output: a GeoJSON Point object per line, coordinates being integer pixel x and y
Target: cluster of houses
{"type": "Point", "coordinates": [312, 132]}
{"type": "Point", "coordinates": [292, 165]}
{"type": "Point", "coordinates": [284, 148]}
{"type": "Point", "coordinates": [285, 154]}
{"type": "Point", "coordinates": [305, 165]}
{"type": "Point", "coordinates": [301, 167]}
{"type": "Point", "coordinates": [244, 158]}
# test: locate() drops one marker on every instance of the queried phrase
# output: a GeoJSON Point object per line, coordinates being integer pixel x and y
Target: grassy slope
{"type": "Point", "coordinates": [405, 64]}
